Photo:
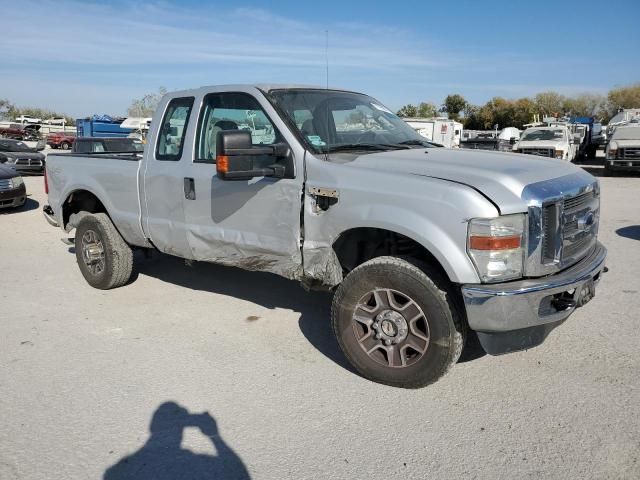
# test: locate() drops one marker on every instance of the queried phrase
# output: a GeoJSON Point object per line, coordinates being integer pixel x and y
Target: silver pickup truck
{"type": "Point", "coordinates": [330, 188]}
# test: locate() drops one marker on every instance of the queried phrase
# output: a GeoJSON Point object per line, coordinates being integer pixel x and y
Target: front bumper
{"type": "Point", "coordinates": [518, 315]}
{"type": "Point", "coordinates": [13, 198]}
{"type": "Point", "coordinates": [624, 164]}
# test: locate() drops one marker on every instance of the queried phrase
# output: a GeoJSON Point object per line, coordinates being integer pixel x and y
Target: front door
{"type": "Point", "coordinates": [253, 224]}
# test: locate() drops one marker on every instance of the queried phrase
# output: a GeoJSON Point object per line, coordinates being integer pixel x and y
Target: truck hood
{"type": "Point", "coordinates": [626, 143]}
{"type": "Point", "coordinates": [499, 176]}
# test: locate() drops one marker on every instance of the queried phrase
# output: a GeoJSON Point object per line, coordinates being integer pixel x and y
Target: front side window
{"type": "Point", "coordinates": [231, 111]}
{"type": "Point", "coordinates": [173, 129]}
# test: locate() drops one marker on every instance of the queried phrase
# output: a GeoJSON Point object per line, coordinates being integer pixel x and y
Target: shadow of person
{"type": "Point", "coordinates": [163, 458]}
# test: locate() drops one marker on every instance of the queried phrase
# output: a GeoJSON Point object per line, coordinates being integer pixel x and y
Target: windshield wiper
{"type": "Point", "coordinates": [421, 143]}
{"type": "Point", "coordinates": [366, 146]}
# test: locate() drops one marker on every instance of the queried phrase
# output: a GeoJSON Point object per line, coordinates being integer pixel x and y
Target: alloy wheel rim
{"type": "Point", "coordinates": [93, 252]}
{"type": "Point", "coordinates": [391, 328]}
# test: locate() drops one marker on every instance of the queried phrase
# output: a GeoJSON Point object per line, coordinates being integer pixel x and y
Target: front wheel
{"type": "Point", "coordinates": [104, 258]}
{"type": "Point", "coordinates": [396, 323]}
{"type": "Point", "coordinates": [65, 146]}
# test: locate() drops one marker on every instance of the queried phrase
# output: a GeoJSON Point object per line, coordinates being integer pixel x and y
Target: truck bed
{"type": "Point", "coordinates": [113, 178]}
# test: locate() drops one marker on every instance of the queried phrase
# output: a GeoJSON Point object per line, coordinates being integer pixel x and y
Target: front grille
{"type": "Point", "coordinates": [579, 201]}
{"type": "Point", "coordinates": [22, 161]}
{"type": "Point", "coordinates": [630, 153]}
{"type": "Point", "coordinates": [541, 152]}
{"type": "Point", "coordinates": [569, 229]}
{"type": "Point", "coordinates": [5, 185]}
{"type": "Point", "coordinates": [35, 162]}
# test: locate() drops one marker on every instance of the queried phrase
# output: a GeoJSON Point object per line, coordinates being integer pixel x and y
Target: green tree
{"type": "Point", "coordinates": [624, 97]}
{"type": "Point", "coordinates": [408, 111]}
{"type": "Point", "coordinates": [427, 110]}
{"type": "Point", "coordinates": [584, 104]}
{"type": "Point", "coordinates": [549, 103]}
{"type": "Point", "coordinates": [146, 106]}
{"type": "Point", "coordinates": [453, 105]}
{"type": "Point", "coordinates": [7, 109]}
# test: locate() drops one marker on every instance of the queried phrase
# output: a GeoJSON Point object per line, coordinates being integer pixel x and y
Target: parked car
{"type": "Point", "coordinates": [12, 190]}
{"type": "Point", "coordinates": [623, 150]}
{"type": "Point", "coordinates": [419, 244]}
{"type": "Point", "coordinates": [22, 119]}
{"type": "Point", "coordinates": [20, 132]}
{"type": "Point", "coordinates": [55, 121]}
{"type": "Point", "coordinates": [107, 145]}
{"type": "Point", "coordinates": [19, 155]}
{"type": "Point", "coordinates": [552, 142]}
{"type": "Point", "coordinates": [61, 140]}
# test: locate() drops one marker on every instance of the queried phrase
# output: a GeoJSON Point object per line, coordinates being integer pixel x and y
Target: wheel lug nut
{"type": "Point", "coordinates": [376, 325]}
{"type": "Point", "coordinates": [387, 342]}
{"type": "Point", "coordinates": [378, 336]}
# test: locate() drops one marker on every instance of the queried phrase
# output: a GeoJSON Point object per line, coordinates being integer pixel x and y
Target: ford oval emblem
{"type": "Point", "coordinates": [586, 221]}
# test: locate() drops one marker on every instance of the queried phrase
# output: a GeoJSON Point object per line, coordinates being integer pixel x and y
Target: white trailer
{"type": "Point", "coordinates": [438, 130]}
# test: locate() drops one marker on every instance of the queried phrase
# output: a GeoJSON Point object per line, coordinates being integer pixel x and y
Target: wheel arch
{"type": "Point", "coordinates": [355, 246]}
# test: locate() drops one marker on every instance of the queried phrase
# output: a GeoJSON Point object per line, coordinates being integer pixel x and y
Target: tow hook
{"type": "Point", "coordinates": [563, 303]}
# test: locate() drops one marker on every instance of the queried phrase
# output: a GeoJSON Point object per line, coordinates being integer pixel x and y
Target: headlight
{"type": "Point", "coordinates": [11, 161]}
{"type": "Point", "coordinates": [497, 246]}
{"type": "Point", "coordinates": [559, 154]}
{"type": "Point", "coordinates": [17, 181]}
{"type": "Point", "coordinates": [612, 151]}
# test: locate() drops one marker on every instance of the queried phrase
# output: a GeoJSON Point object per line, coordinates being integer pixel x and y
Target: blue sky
{"type": "Point", "coordinates": [95, 57]}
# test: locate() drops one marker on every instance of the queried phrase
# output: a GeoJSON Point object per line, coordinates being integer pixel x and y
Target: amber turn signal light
{"type": "Point", "coordinates": [222, 164]}
{"type": "Point", "coordinates": [477, 242]}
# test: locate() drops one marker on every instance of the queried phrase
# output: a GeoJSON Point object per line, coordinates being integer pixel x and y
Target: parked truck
{"type": "Point", "coordinates": [420, 245]}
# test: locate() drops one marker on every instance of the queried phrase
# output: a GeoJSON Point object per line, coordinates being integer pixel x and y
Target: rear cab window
{"type": "Point", "coordinates": [173, 129]}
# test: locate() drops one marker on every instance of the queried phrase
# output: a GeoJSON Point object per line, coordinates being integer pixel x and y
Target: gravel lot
{"type": "Point", "coordinates": [82, 373]}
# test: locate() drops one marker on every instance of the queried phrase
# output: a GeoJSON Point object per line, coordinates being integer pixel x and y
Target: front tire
{"type": "Point", "coordinates": [104, 258]}
{"type": "Point", "coordinates": [65, 146]}
{"type": "Point", "coordinates": [396, 323]}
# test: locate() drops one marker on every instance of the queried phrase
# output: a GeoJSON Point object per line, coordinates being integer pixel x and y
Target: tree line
{"type": "Point", "coordinates": [9, 112]}
{"type": "Point", "coordinates": [506, 112]}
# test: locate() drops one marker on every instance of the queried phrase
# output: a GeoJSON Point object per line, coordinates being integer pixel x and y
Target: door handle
{"type": "Point", "coordinates": [189, 189]}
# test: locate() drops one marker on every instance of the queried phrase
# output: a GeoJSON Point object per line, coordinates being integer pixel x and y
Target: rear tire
{"type": "Point", "coordinates": [104, 258]}
{"type": "Point", "coordinates": [65, 146]}
{"type": "Point", "coordinates": [408, 332]}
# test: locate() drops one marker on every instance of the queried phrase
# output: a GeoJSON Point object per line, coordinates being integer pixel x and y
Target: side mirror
{"type": "Point", "coordinates": [238, 159]}
{"type": "Point", "coordinates": [512, 140]}
{"type": "Point", "coordinates": [577, 138]}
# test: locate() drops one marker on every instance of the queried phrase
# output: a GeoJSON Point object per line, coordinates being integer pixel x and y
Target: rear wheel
{"type": "Point", "coordinates": [103, 256]}
{"type": "Point", "coordinates": [65, 145]}
{"type": "Point", "coordinates": [397, 323]}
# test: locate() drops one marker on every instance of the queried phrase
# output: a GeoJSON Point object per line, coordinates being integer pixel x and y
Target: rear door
{"type": "Point", "coordinates": [164, 172]}
{"type": "Point", "coordinates": [253, 224]}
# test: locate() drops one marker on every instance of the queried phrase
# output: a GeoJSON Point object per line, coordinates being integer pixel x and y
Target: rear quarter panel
{"type": "Point", "coordinates": [113, 180]}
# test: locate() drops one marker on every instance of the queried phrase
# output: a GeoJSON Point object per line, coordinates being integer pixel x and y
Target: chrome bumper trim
{"type": "Point", "coordinates": [527, 303]}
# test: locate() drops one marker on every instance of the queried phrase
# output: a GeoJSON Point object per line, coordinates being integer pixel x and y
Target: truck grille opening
{"type": "Point", "coordinates": [541, 152]}
{"type": "Point", "coordinates": [630, 153]}
{"type": "Point", "coordinates": [569, 229]}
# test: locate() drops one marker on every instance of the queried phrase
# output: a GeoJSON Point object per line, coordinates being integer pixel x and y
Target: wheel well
{"type": "Point", "coordinates": [81, 201]}
{"type": "Point", "coordinates": [356, 246]}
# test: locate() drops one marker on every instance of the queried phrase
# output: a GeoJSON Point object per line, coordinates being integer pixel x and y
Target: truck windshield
{"type": "Point", "coordinates": [332, 121]}
{"type": "Point", "coordinates": [539, 134]}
